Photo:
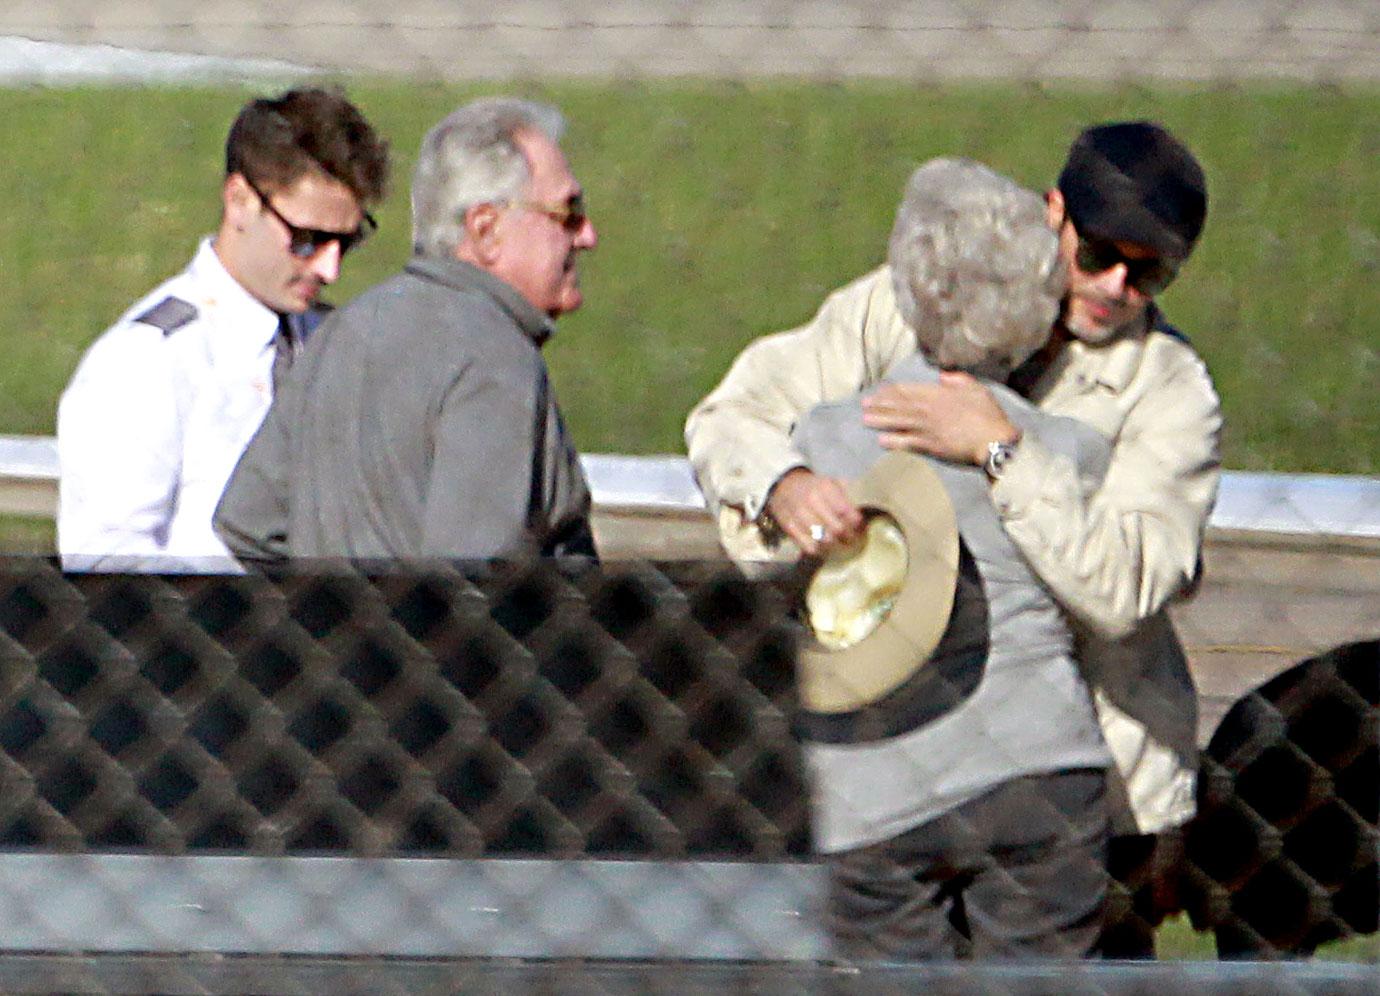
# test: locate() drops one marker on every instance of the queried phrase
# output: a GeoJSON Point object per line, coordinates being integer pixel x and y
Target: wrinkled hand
{"type": "Point", "coordinates": [802, 498]}
{"type": "Point", "coordinates": [953, 420]}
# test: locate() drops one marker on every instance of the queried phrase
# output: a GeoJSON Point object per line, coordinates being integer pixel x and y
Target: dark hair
{"type": "Point", "coordinates": [275, 141]}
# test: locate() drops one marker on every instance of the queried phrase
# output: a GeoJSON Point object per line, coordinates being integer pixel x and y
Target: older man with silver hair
{"type": "Point", "coordinates": [967, 820]}
{"type": "Point", "coordinates": [421, 422]}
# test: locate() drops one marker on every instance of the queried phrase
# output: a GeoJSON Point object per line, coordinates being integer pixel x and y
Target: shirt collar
{"type": "Point", "coordinates": [1113, 364]}
{"type": "Point", "coordinates": [217, 287]}
{"type": "Point", "coordinates": [467, 277]}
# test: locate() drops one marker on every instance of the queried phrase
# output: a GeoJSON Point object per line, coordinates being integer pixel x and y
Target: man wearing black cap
{"type": "Point", "coordinates": [1129, 206]}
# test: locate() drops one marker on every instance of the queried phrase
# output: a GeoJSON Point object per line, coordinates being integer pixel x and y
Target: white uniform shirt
{"type": "Point", "coordinates": [155, 419]}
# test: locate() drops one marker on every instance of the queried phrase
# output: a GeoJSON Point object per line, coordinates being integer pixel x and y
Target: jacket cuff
{"type": "Point", "coordinates": [755, 500]}
{"type": "Point", "coordinates": [1022, 479]}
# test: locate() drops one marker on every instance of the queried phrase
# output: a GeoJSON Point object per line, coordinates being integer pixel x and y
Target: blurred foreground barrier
{"type": "Point", "coordinates": [239, 763]}
{"type": "Point", "coordinates": [553, 708]}
{"type": "Point", "coordinates": [605, 755]}
{"type": "Point", "coordinates": [1282, 853]}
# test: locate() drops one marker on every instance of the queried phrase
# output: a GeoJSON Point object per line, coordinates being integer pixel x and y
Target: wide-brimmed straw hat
{"type": "Point", "coordinates": [901, 578]}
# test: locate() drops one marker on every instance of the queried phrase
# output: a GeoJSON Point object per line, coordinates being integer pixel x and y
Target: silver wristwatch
{"type": "Point", "coordinates": [998, 456]}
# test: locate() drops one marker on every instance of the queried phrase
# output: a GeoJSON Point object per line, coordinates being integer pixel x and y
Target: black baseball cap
{"type": "Point", "coordinates": [1132, 181]}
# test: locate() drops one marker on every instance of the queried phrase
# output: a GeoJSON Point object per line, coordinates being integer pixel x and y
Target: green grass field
{"type": "Point", "coordinates": [1176, 940]}
{"type": "Point", "coordinates": [730, 210]}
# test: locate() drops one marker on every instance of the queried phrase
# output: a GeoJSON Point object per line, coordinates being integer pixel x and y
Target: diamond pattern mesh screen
{"type": "Point", "coordinates": [508, 711]}
{"type": "Point", "coordinates": [564, 711]}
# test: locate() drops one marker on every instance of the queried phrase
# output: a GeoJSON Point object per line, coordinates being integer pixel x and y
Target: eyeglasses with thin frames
{"type": "Point", "coordinates": [304, 243]}
{"type": "Point", "coordinates": [571, 215]}
{"type": "Point", "coordinates": [1148, 275]}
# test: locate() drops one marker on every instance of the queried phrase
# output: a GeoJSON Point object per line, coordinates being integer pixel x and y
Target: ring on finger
{"type": "Point", "coordinates": [817, 533]}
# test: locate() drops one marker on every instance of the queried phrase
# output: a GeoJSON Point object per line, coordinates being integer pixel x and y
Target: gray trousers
{"type": "Point", "coordinates": [1019, 872]}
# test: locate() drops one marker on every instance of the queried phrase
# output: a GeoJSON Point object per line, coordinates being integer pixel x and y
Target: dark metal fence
{"type": "Point", "coordinates": [506, 710]}
{"type": "Point", "coordinates": [275, 764]}
{"type": "Point", "coordinates": [1282, 853]}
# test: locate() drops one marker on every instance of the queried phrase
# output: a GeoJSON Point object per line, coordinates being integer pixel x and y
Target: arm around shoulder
{"type": "Point", "coordinates": [1115, 556]}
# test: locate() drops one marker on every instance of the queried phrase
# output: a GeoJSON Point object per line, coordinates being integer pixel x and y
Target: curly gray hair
{"type": "Point", "coordinates": [975, 267]}
{"type": "Point", "coordinates": [471, 157]}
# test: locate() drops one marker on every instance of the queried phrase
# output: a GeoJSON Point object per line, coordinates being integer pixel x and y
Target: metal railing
{"type": "Point", "coordinates": [1302, 505]}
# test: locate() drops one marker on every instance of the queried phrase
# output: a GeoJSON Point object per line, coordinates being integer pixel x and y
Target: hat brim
{"type": "Point", "coordinates": [905, 487]}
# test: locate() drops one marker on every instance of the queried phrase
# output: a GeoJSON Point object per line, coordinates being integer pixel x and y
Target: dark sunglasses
{"type": "Point", "coordinates": [1149, 275]}
{"type": "Point", "coordinates": [304, 243]}
{"type": "Point", "coordinates": [571, 215]}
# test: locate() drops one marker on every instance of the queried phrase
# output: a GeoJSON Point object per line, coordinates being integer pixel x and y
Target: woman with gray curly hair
{"type": "Point", "coordinates": [975, 267]}
{"type": "Point", "coordinates": [959, 801]}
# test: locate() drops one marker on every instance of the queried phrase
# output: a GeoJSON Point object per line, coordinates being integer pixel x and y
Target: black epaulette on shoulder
{"type": "Point", "coordinates": [169, 315]}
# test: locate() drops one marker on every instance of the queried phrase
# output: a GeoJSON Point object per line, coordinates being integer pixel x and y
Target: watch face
{"type": "Point", "coordinates": [997, 456]}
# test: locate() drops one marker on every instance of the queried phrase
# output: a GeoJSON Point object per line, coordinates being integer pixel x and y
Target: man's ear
{"type": "Point", "coordinates": [237, 200]}
{"type": "Point", "coordinates": [1054, 208]}
{"type": "Point", "coordinates": [481, 232]}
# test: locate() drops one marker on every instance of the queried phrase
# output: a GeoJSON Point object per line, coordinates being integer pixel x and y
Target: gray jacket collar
{"type": "Point", "coordinates": [464, 276]}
